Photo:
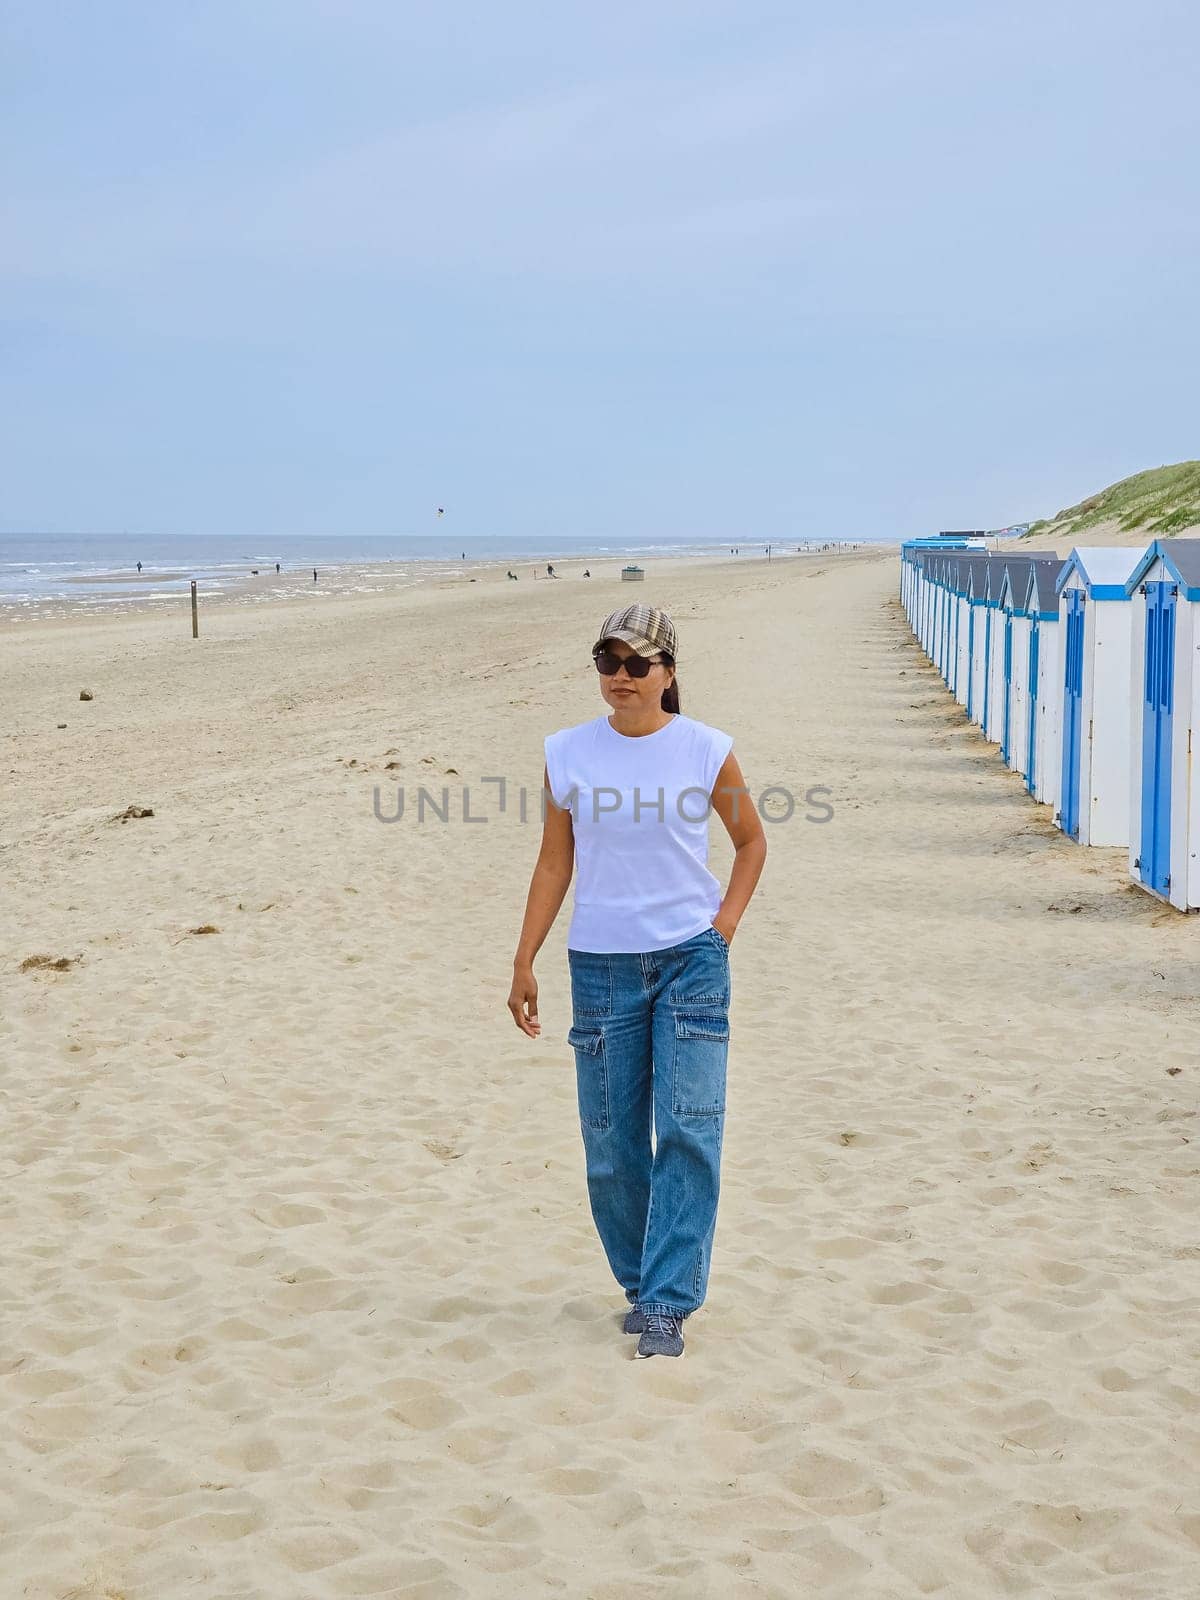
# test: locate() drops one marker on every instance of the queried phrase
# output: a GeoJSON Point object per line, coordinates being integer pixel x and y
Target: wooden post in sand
{"type": "Point", "coordinates": [195, 616]}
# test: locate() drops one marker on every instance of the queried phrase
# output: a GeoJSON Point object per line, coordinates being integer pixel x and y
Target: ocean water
{"type": "Point", "coordinates": [55, 575]}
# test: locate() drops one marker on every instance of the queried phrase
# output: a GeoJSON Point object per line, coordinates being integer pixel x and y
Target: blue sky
{"type": "Point", "coordinates": [728, 270]}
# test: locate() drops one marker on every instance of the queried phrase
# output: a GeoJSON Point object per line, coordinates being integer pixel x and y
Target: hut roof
{"type": "Point", "coordinates": [968, 567]}
{"type": "Point", "coordinates": [995, 576]}
{"type": "Point", "coordinates": [1041, 591]}
{"type": "Point", "coordinates": [1015, 580]}
{"type": "Point", "coordinates": [1105, 570]}
{"type": "Point", "coordinates": [1182, 559]}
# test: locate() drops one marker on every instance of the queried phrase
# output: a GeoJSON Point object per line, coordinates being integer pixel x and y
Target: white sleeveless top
{"type": "Point", "coordinates": [639, 808]}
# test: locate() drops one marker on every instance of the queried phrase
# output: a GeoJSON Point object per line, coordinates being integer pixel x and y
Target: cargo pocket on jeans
{"type": "Point", "coordinates": [591, 1076]}
{"type": "Point", "coordinates": [701, 1051]}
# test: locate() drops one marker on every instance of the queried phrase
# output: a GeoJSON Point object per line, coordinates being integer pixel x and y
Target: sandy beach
{"type": "Point", "coordinates": [300, 1295]}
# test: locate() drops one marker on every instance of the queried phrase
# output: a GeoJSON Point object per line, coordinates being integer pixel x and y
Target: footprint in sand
{"type": "Point", "coordinates": [575, 1480]}
{"type": "Point", "coordinates": [478, 1446]}
{"type": "Point", "coordinates": [390, 1575]}
{"type": "Point", "coordinates": [306, 1549]}
{"type": "Point", "coordinates": [419, 1404]}
{"type": "Point", "coordinates": [289, 1214]}
{"type": "Point", "coordinates": [845, 1247]}
{"type": "Point", "coordinates": [832, 1484]}
{"type": "Point", "coordinates": [256, 1454]}
{"type": "Point", "coordinates": [899, 1294]}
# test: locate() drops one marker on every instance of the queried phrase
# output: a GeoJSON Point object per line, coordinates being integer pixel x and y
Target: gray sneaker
{"type": "Point", "coordinates": [663, 1335]}
{"type": "Point", "coordinates": [635, 1320]}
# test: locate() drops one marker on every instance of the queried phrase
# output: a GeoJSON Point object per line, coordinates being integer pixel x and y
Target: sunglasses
{"type": "Point", "coordinates": [636, 666]}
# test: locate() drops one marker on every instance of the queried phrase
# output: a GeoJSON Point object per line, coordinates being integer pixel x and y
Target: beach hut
{"type": "Point", "coordinates": [925, 599]}
{"type": "Point", "coordinates": [943, 640]}
{"type": "Point", "coordinates": [997, 647]}
{"type": "Point", "coordinates": [992, 702]}
{"type": "Point", "coordinates": [1014, 718]}
{"type": "Point", "coordinates": [950, 649]}
{"type": "Point", "coordinates": [970, 570]}
{"type": "Point", "coordinates": [1094, 619]}
{"type": "Point", "coordinates": [1042, 761]}
{"type": "Point", "coordinates": [926, 569]}
{"type": "Point", "coordinates": [924, 589]}
{"type": "Point", "coordinates": [1164, 802]}
{"type": "Point", "coordinates": [952, 624]}
{"type": "Point", "coordinates": [977, 676]}
{"type": "Point", "coordinates": [934, 631]}
{"type": "Point", "coordinates": [960, 661]}
{"type": "Point", "coordinates": [912, 558]}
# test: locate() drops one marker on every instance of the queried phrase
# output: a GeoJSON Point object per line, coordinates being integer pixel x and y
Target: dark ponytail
{"type": "Point", "coordinates": [670, 695]}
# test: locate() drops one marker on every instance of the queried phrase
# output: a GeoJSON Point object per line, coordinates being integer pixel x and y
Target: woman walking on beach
{"type": "Point", "coordinates": [627, 801]}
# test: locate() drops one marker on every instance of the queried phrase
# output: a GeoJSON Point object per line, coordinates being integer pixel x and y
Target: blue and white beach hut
{"type": "Point", "coordinates": [1043, 763]}
{"type": "Point", "coordinates": [938, 618]}
{"type": "Point", "coordinates": [910, 571]}
{"type": "Point", "coordinates": [992, 706]}
{"type": "Point", "coordinates": [945, 633]}
{"type": "Point", "coordinates": [928, 603]}
{"type": "Point", "coordinates": [933, 605]}
{"type": "Point", "coordinates": [950, 644]}
{"type": "Point", "coordinates": [1094, 618]}
{"type": "Point", "coordinates": [1164, 801]}
{"type": "Point", "coordinates": [958, 623]}
{"type": "Point", "coordinates": [1014, 718]}
{"type": "Point", "coordinates": [924, 624]}
{"type": "Point", "coordinates": [981, 635]}
{"type": "Point", "coordinates": [926, 567]}
{"type": "Point", "coordinates": [967, 568]}
{"type": "Point", "coordinates": [976, 623]}
{"type": "Point", "coordinates": [996, 637]}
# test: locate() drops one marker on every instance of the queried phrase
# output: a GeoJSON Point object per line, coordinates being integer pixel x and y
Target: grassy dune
{"type": "Point", "coordinates": [1160, 503]}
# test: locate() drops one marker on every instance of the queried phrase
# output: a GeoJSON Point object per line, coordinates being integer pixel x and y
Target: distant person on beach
{"type": "Point", "coordinates": [586, 573]}
{"type": "Point", "coordinates": [139, 566]}
{"type": "Point", "coordinates": [277, 566]}
{"type": "Point", "coordinates": [314, 574]}
{"type": "Point", "coordinates": [648, 956]}
{"type": "Point", "coordinates": [550, 572]}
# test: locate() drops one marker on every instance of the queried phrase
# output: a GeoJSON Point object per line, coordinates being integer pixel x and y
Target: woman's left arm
{"type": "Point", "coordinates": [731, 801]}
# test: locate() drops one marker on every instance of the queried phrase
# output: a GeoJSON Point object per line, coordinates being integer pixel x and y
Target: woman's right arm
{"type": "Point", "coordinates": [547, 890]}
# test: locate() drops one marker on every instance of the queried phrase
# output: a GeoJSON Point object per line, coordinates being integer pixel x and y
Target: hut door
{"type": "Point", "coordinates": [1031, 750]}
{"type": "Point", "coordinates": [985, 716]}
{"type": "Point", "coordinates": [958, 639]}
{"type": "Point", "coordinates": [1158, 691]}
{"type": "Point", "coordinates": [1072, 730]}
{"type": "Point", "coordinates": [970, 657]}
{"type": "Point", "coordinates": [1005, 741]}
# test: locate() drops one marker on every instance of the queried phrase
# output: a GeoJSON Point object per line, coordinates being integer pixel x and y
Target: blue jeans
{"type": "Point", "coordinates": [651, 1037]}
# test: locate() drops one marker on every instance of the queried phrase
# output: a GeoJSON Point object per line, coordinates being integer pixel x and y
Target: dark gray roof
{"type": "Point", "coordinates": [994, 575]}
{"type": "Point", "coordinates": [1043, 572]}
{"type": "Point", "coordinates": [1018, 569]}
{"type": "Point", "coordinates": [1185, 556]}
{"type": "Point", "coordinates": [967, 566]}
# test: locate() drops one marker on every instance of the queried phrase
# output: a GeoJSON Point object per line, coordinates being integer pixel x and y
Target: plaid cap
{"type": "Point", "coordinates": [647, 629]}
